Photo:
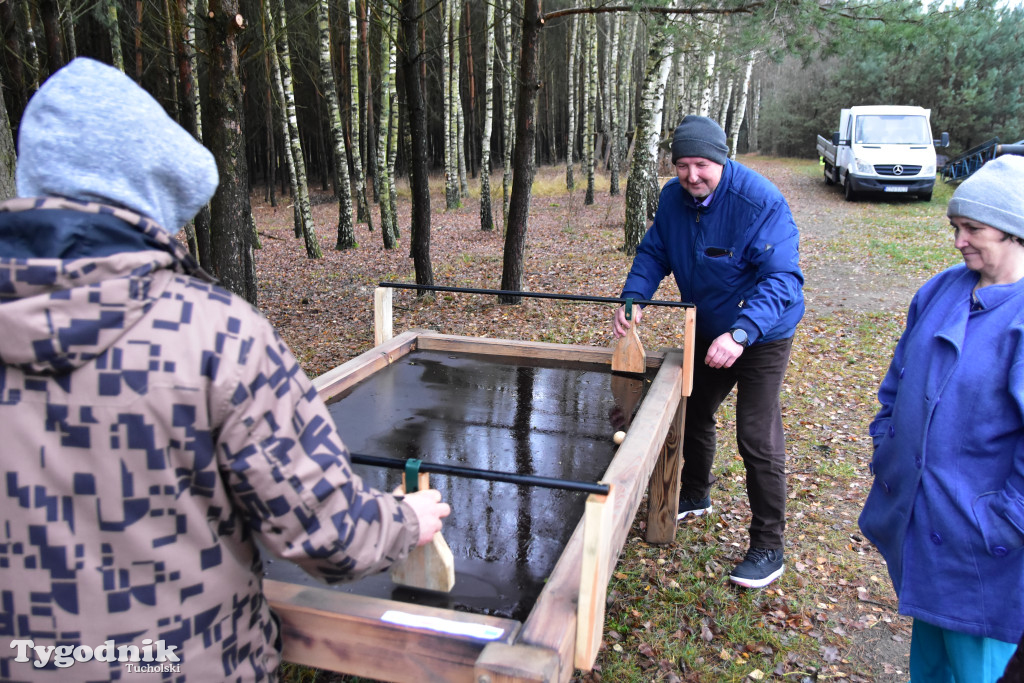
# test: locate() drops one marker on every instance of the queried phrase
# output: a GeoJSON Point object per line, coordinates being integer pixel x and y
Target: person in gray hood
{"type": "Point", "coordinates": [154, 425]}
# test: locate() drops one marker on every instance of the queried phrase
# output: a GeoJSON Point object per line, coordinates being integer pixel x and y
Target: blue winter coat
{"type": "Point", "coordinates": [946, 508]}
{"type": "Point", "coordinates": [736, 259]}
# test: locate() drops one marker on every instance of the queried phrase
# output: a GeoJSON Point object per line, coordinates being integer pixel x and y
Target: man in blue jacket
{"type": "Point", "coordinates": [728, 237]}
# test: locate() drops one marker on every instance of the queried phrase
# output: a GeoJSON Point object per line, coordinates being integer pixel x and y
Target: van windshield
{"type": "Point", "coordinates": [893, 129]}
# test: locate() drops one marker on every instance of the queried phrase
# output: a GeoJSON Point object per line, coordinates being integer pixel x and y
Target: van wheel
{"type": "Point", "coordinates": [848, 192]}
{"type": "Point", "coordinates": [828, 178]}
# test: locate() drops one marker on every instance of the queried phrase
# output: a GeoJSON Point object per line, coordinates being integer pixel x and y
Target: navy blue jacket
{"type": "Point", "coordinates": [736, 259]}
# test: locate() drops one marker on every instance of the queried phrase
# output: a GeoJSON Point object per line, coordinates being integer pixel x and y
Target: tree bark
{"type": "Point", "coordinates": [613, 105]}
{"type": "Point", "coordinates": [526, 130]}
{"type": "Point", "coordinates": [109, 9]}
{"type": "Point", "coordinates": [8, 154]}
{"type": "Point", "coordinates": [419, 179]}
{"type": "Point", "coordinates": [570, 145]}
{"type": "Point", "coordinates": [191, 120]}
{"type": "Point", "coordinates": [642, 168]}
{"type": "Point", "coordinates": [388, 214]}
{"type": "Point", "coordinates": [741, 106]}
{"type": "Point", "coordinates": [486, 218]}
{"type": "Point", "coordinates": [346, 233]}
{"type": "Point", "coordinates": [305, 227]}
{"type": "Point", "coordinates": [362, 211]}
{"type": "Point", "coordinates": [590, 129]}
{"type": "Point", "coordinates": [508, 111]}
{"type": "Point", "coordinates": [230, 211]}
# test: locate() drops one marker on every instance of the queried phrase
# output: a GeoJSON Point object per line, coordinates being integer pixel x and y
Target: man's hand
{"type": "Point", "coordinates": [429, 510]}
{"type": "Point", "coordinates": [619, 323]}
{"type": "Point", "coordinates": [723, 352]}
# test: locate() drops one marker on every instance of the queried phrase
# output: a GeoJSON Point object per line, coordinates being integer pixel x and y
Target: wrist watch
{"type": "Point", "coordinates": [739, 335]}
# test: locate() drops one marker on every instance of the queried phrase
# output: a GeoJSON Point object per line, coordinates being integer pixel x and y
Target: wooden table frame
{"type": "Point", "coordinates": [344, 632]}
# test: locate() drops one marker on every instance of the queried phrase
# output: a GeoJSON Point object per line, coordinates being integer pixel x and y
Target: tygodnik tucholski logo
{"type": "Point", "coordinates": [150, 657]}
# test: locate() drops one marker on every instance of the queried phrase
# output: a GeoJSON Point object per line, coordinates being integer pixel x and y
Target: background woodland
{"type": "Point", "coordinates": [357, 96]}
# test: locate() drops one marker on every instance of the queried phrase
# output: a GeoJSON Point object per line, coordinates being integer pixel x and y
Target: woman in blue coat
{"type": "Point", "coordinates": [946, 509]}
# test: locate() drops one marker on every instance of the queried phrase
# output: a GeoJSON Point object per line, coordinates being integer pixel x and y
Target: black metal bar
{"type": "Point", "coordinates": [535, 295]}
{"type": "Point", "coordinates": [489, 475]}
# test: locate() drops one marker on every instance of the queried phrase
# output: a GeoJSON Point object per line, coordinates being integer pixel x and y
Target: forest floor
{"type": "Point", "coordinates": [672, 614]}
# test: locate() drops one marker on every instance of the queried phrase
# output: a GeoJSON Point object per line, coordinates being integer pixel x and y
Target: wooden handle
{"type": "Point", "coordinates": [430, 566]}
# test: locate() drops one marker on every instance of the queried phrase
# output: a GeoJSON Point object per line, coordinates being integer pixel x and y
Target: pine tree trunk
{"type": "Point", "coordinates": [412, 56]}
{"type": "Point", "coordinates": [570, 146]}
{"type": "Point", "coordinates": [486, 218]}
{"type": "Point", "coordinates": [362, 211]}
{"type": "Point", "coordinates": [526, 131]}
{"type": "Point", "coordinates": [642, 168]}
{"type": "Point", "coordinates": [49, 15]}
{"type": "Point", "coordinates": [306, 227]}
{"type": "Point", "coordinates": [346, 233]}
{"type": "Point", "coordinates": [230, 211]}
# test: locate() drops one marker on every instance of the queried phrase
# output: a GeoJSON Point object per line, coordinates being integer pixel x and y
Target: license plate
{"type": "Point", "coordinates": [895, 188]}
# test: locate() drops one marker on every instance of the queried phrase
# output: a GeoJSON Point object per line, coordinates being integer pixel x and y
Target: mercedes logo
{"type": "Point", "coordinates": [897, 170]}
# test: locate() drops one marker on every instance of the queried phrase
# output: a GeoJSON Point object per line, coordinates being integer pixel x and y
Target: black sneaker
{"type": "Point", "coordinates": [760, 567]}
{"type": "Point", "coordinates": [690, 507]}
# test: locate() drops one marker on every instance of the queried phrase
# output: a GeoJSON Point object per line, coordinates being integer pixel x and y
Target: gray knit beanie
{"type": "Point", "coordinates": [993, 195]}
{"type": "Point", "coordinates": [91, 134]}
{"type": "Point", "coordinates": [699, 136]}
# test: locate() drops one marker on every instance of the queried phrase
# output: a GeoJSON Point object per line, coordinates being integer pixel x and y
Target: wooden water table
{"type": "Point", "coordinates": [532, 562]}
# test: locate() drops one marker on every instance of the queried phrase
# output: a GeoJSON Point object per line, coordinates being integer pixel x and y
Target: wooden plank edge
{"type": "Point", "coordinates": [597, 520]}
{"type": "Point", "coordinates": [340, 378]}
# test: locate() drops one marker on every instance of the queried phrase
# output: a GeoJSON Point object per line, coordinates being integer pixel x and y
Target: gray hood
{"type": "Point", "coordinates": [91, 134]}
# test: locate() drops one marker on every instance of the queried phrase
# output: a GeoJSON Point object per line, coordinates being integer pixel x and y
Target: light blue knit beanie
{"type": "Point", "coordinates": [993, 195]}
{"type": "Point", "coordinates": [91, 134]}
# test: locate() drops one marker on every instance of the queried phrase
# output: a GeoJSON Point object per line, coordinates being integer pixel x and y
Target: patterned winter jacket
{"type": "Point", "coordinates": [153, 427]}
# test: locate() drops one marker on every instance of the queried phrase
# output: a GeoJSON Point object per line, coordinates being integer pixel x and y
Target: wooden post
{"type": "Point", "coordinates": [383, 318]}
{"type": "Point", "coordinates": [689, 338]}
{"type": "Point", "coordinates": [597, 533]}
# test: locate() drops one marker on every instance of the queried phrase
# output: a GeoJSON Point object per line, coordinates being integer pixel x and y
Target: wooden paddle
{"type": "Point", "coordinates": [629, 356]}
{"type": "Point", "coordinates": [429, 566]}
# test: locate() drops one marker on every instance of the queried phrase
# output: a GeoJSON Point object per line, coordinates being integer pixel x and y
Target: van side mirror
{"type": "Point", "coordinates": [835, 138]}
{"type": "Point", "coordinates": [943, 141]}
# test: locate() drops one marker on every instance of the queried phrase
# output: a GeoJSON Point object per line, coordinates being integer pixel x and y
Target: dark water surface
{"type": "Point", "coordinates": [529, 417]}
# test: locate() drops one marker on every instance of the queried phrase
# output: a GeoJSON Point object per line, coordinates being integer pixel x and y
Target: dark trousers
{"type": "Point", "coordinates": [757, 375]}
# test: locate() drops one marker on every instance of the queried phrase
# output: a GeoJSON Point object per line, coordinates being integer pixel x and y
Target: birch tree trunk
{"type": "Point", "coordinates": [191, 120]}
{"type": "Point", "coordinates": [301, 186]}
{"type": "Point", "coordinates": [509, 113]}
{"type": "Point", "coordinates": [613, 104]}
{"type": "Point", "coordinates": [346, 233]}
{"type": "Point", "coordinates": [570, 145]}
{"type": "Point", "coordinates": [68, 21]}
{"type": "Point", "coordinates": [590, 128]}
{"type": "Point", "coordinates": [486, 218]}
{"type": "Point", "coordinates": [8, 154]}
{"type": "Point", "coordinates": [362, 211]}
{"type": "Point", "coordinates": [231, 214]}
{"type": "Point", "coordinates": [741, 106]}
{"type": "Point", "coordinates": [755, 109]}
{"type": "Point", "coordinates": [270, 40]}
{"type": "Point", "coordinates": [109, 21]}
{"type": "Point", "coordinates": [642, 170]}
{"type": "Point", "coordinates": [388, 218]}
{"type": "Point", "coordinates": [709, 76]}
{"type": "Point", "coordinates": [412, 57]}
{"type": "Point", "coordinates": [451, 154]}
{"type": "Point", "coordinates": [393, 127]}
{"type": "Point", "coordinates": [460, 119]}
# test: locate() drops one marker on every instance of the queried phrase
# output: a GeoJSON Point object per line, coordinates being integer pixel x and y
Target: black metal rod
{"type": "Point", "coordinates": [489, 475]}
{"type": "Point", "coordinates": [536, 295]}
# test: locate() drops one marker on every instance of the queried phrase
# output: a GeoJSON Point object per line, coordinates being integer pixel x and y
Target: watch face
{"type": "Point", "coordinates": [739, 336]}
